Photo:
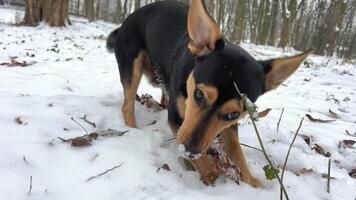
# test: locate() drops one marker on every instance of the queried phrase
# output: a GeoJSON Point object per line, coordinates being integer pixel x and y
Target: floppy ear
{"type": "Point", "coordinates": [203, 30]}
{"type": "Point", "coordinates": [278, 70]}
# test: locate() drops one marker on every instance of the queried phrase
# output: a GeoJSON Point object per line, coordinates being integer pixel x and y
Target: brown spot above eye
{"type": "Point", "coordinates": [210, 93]}
{"type": "Point", "coordinates": [232, 105]}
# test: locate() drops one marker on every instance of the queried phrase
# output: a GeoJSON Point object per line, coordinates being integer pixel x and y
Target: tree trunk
{"type": "Point", "coordinates": [272, 31]}
{"type": "Point", "coordinates": [53, 12]}
{"type": "Point", "coordinates": [119, 15]}
{"type": "Point", "coordinates": [239, 22]}
{"type": "Point", "coordinates": [89, 10]}
{"type": "Point", "coordinates": [1, 2]}
{"type": "Point", "coordinates": [285, 27]}
{"type": "Point", "coordinates": [262, 38]}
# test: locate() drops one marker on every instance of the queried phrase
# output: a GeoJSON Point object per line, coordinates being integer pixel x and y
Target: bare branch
{"type": "Point", "coordinates": [96, 176]}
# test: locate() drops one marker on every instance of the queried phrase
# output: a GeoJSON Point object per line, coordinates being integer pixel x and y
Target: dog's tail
{"type": "Point", "coordinates": [110, 42]}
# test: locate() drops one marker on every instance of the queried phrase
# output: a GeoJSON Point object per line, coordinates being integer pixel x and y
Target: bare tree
{"type": "Point", "coordinates": [89, 10]}
{"type": "Point", "coordinates": [53, 12]}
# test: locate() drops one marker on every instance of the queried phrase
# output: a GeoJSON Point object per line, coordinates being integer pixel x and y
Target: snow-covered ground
{"type": "Point", "coordinates": [72, 75]}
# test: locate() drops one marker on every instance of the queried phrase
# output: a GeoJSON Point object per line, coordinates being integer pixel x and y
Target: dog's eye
{"type": "Point", "coordinates": [231, 116]}
{"type": "Point", "coordinates": [199, 97]}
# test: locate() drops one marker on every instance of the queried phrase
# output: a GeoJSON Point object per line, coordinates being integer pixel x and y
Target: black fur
{"type": "Point", "coordinates": [161, 30]}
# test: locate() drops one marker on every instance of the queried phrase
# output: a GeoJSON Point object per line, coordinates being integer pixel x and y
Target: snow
{"type": "Point", "coordinates": [83, 79]}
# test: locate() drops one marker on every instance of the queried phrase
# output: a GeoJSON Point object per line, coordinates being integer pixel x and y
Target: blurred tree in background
{"type": "Point", "coordinates": [327, 26]}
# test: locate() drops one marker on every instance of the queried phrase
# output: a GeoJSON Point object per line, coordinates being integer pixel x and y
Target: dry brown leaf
{"type": "Point", "coordinates": [264, 113]}
{"type": "Point", "coordinates": [353, 173]}
{"type": "Point", "coordinates": [318, 120]}
{"type": "Point", "coordinates": [165, 167]}
{"type": "Point", "coordinates": [347, 143]}
{"type": "Point", "coordinates": [320, 150]}
{"type": "Point", "coordinates": [18, 120]}
{"type": "Point", "coordinates": [81, 142]}
{"type": "Point", "coordinates": [333, 114]}
{"type": "Point", "coordinates": [307, 139]}
{"type": "Point", "coordinates": [148, 101]}
{"type": "Point", "coordinates": [305, 171]}
{"type": "Point", "coordinates": [15, 63]}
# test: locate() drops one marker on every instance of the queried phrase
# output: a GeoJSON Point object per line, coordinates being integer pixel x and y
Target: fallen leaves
{"type": "Point", "coordinates": [353, 173]}
{"type": "Point", "coordinates": [264, 113]}
{"type": "Point", "coordinates": [15, 63]}
{"type": "Point", "coordinates": [320, 150]}
{"type": "Point", "coordinates": [333, 114]}
{"type": "Point", "coordinates": [165, 167]}
{"type": "Point", "coordinates": [86, 140]}
{"type": "Point", "coordinates": [148, 101]}
{"type": "Point", "coordinates": [318, 120]}
{"type": "Point", "coordinates": [347, 144]}
{"type": "Point", "coordinates": [18, 120]}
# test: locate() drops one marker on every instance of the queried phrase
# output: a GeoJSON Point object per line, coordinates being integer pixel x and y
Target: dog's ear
{"type": "Point", "coordinates": [203, 30]}
{"type": "Point", "coordinates": [278, 70]}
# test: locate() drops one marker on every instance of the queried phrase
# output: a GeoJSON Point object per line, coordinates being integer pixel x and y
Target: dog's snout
{"type": "Point", "coordinates": [192, 149]}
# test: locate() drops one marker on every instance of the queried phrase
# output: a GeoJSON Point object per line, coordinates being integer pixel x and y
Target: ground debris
{"type": "Point", "coordinates": [165, 167]}
{"type": "Point", "coordinates": [87, 139]}
{"type": "Point", "coordinates": [148, 101]}
{"type": "Point", "coordinates": [347, 144]}
{"type": "Point", "coordinates": [320, 150]}
{"type": "Point", "coordinates": [318, 120]}
{"type": "Point", "coordinates": [15, 63]}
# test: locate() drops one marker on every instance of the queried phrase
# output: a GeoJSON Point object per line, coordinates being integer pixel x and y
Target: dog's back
{"type": "Point", "coordinates": [155, 28]}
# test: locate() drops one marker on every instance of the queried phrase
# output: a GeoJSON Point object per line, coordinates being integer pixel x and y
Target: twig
{"type": "Point", "coordinates": [152, 123]}
{"type": "Point", "coordinates": [29, 191]}
{"type": "Point", "coordinates": [279, 121]}
{"type": "Point", "coordinates": [245, 145]}
{"type": "Point", "coordinates": [96, 176]}
{"type": "Point", "coordinates": [348, 133]}
{"type": "Point", "coordinates": [25, 160]}
{"type": "Point", "coordinates": [286, 159]}
{"type": "Point", "coordinates": [79, 125]}
{"type": "Point", "coordinates": [87, 121]}
{"type": "Point", "coordinates": [328, 183]}
{"type": "Point", "coordinates": [244, 100]}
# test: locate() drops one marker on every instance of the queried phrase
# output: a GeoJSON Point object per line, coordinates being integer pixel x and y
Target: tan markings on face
{"type": "Point", "coordinates": [181, 106]}
{"type": "Point", "coordinates": [232, 105]}
{"type": "Point", "coordinates": [192, 115]}
{"type": "Point", "coordinates": [217, 125]}
{"type": "Point", "coordinates": [210, 93]}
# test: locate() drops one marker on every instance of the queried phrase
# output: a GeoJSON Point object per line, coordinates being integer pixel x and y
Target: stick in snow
{"type": "Point", "coordinates": [29, 191]}
{"type": "Point", "coordinates": [87, 121]}
{"type": "Point", "coordinates": [285, 161]}
{"type": "Point", "coordinates": [279, 121]}
{"type": "Point", "coordinates": [96, 176]}
{"type": "Point", "coordinates": [328, 183]}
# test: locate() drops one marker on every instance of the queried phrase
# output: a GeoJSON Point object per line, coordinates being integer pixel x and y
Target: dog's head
{"type": "Point", "coordinates": [213, 103]}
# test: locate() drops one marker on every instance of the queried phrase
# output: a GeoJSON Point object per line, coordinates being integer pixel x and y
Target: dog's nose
{"type": "Point", "coordinates": [192, 149]}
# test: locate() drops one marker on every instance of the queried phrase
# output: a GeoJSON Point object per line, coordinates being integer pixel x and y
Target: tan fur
{"type": "Point", "coordinates": [282, 68]}
{"type": "Point", "coordinates": [181, 106]}
{"type": "Point", "coordinates": [130, 89]}
{"type": "Point", "coordinates": [202, 29]}
{"type": "Point", "coordinates": [231, 145]}
{"type": "Point", "coordinates": [193, 114]}
{"type": "Point", "coordinates": [210, 93]}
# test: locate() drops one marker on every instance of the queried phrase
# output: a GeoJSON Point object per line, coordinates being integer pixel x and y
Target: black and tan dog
{"type": "Point", "coordinates": [181, 49]}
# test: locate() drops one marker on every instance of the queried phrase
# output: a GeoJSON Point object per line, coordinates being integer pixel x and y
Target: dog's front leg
{"type": "Point", "coordinates": [231, 145]}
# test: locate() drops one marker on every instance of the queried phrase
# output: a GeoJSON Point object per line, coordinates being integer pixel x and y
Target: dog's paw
{"type": "Point", "coordinates": [255, 183]}
{"type": "Point", "coordinates": [209, 178]}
